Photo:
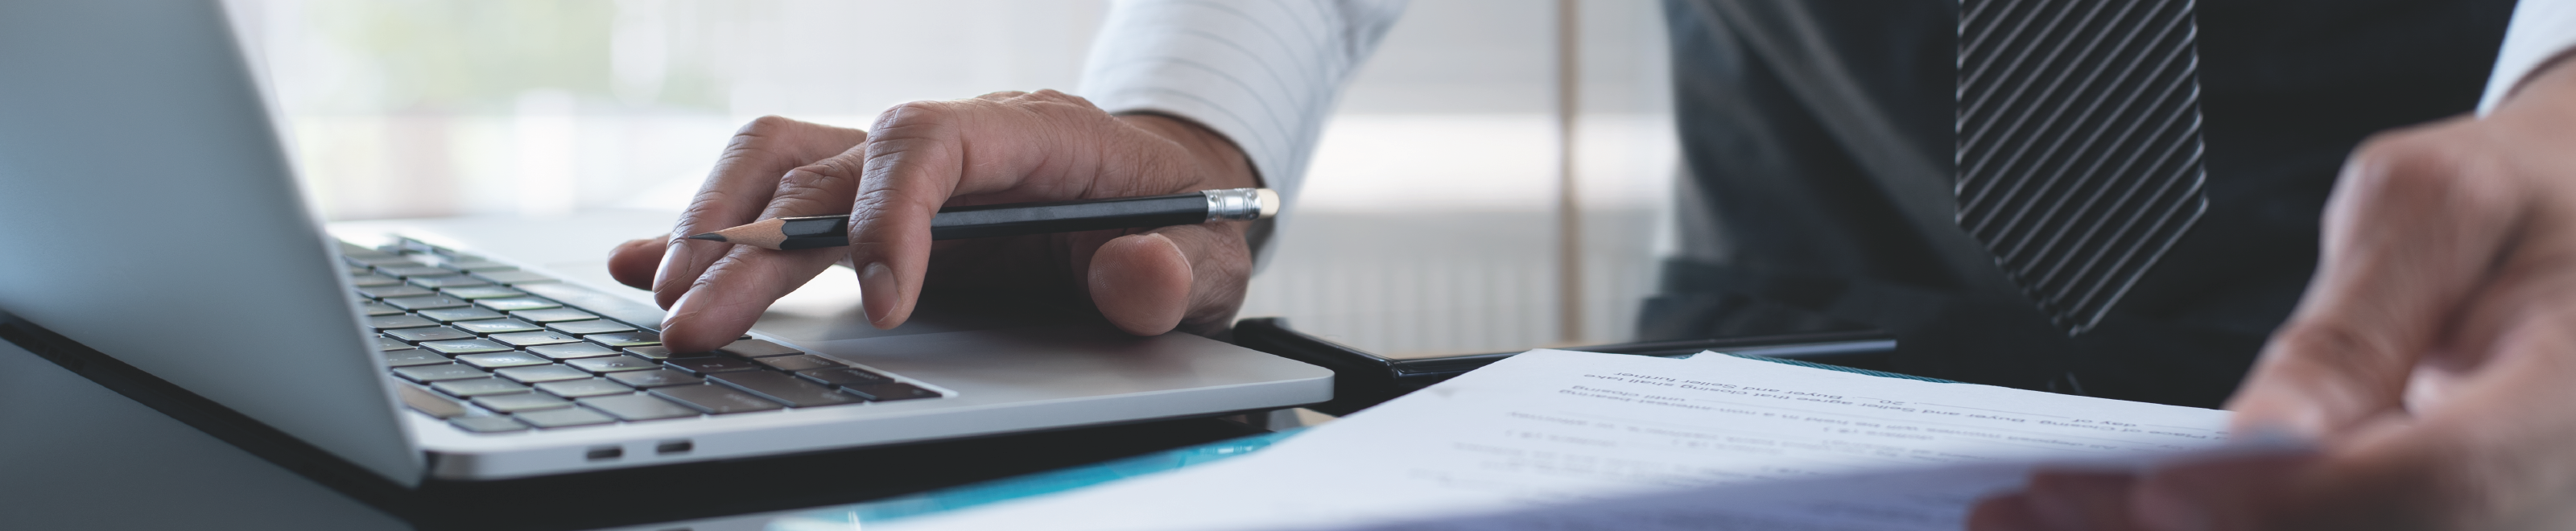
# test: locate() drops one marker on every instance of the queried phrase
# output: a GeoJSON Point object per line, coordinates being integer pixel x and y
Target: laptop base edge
{"type": "Point", "coordinates": [642, 495]}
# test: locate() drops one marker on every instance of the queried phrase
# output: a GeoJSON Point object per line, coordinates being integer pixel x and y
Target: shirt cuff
{"type": "Point", "coordinates": [2541, 30]}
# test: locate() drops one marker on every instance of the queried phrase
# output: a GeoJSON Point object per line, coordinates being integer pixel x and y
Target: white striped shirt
{"type": "Point", "coordinates": [1264, 73]}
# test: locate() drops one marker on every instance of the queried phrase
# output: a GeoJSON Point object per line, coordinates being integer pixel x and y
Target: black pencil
{"type": "Point", "coordinates": [985, 221]}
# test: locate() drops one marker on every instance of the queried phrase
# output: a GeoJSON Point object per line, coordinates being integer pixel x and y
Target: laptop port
{"type": "Point", "coordinates": [603, 453]}
{"type": "Point", "coordinates": [674, 446]}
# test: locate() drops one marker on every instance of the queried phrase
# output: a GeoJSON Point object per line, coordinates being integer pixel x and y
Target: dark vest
{"type": "Point", "coordinates": [1819, 136]}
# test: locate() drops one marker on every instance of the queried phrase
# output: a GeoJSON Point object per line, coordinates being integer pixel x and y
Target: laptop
{"type": "Point", "coordinates": [148, 212]}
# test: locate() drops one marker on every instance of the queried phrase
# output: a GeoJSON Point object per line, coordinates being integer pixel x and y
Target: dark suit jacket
{"type": "Point", "coordinates": [1819, 133]}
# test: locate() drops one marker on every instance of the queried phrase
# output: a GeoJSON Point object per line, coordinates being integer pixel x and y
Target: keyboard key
{"type": "Point", "coordinates": [394, 291]}
{"type": "Point", "coordinates": [517, 402]}
{"type": "Point", "coordinates": [626, 339]}
{"type": "Point", "coordinates": [715, 399]}
{"type": "Point", "coordinates": [428, 402]}
{"type": "Point", "coordinates": [564, 417]}
{"type": "Point", "coordinates": [433, 302]}
{"type": "Point", "coordinates": [572, 351]}
{"type": "Point", "coordinates": [530, 339]}
{"type": "Point", "coordinates": [540, 373]}
{"type": "Point", "coordinates": [711, 364]}
{"type": "Point", "coordinates": [478, 387]}
{"type": "Point", "coordinates": [488, 424]}
{"type": "Point", "coordinates": [590, 326]}
{"type": "Point", "coordinates": [844, 376]}
{"type": "Point", "coordinates": [463, 346]}
{"type": "Point", "coordinates": [783, 388]}
{"type": "Point", "coordinates": [754, 348]}
{"type": "Point", "coordinates": [639, 407]}
{"type": "Point", "coordinates": [387, 344]}
{"type": "Point", "coordinates": [372, 280]}
{"type": "Point", "coordinates": [642, 315]}
{"type": "Point", "coordinates": [658, 352]}
{"type": "Point", "coordinates": [614, 364]}
{"type": "Point", "coordinates": [439, 333]}
{"type": "Point", "coordinates": [496, 326]}
{"type": "Point", "coordinates": [415, 270]}
{"type": "Point", "coordinates": [513, 277]}
{"type": "Point", "coordinates": [889, 392]}
{"type": "Point", "coordinates": [446, 282]}
{"type": "Point", "coordinates": [479, 266]}
{"type": "Point", "coordinates": [482, 292]}
{"type": "Point", "coordinates": [377, 259]}
{"type": "Point", "coordinates": [655, 378]}
{"type": "Point", "coordinates": [798, 362]}
{"type": "Point", "coordinates": [451, 315]}
{"type": "Point", "coordinates": [585, 387]}
{"type": "Point", "coordinates": [398, 321]}
{"type": "Point", "coordinates": [377, 309]}
{"type": "Point", "coordinates": [498, 360]}
{"type": "Point", "coordinates": [517, 304]}
{"type": "Point", "coordinates": [556, 315]}
{"type": "Point", "coordinates": [433, 373]}
{"type": "Point", "coordinates": [411, 357]}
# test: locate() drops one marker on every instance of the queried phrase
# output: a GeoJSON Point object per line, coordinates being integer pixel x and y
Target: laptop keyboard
{"type": "Point", "coordinates": [491, 349]}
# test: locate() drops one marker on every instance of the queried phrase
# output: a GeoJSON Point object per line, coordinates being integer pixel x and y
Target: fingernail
{"type": "Point", "coordinates": [671, 314]}
{"type": "Point", "coordinates": [877, 292]}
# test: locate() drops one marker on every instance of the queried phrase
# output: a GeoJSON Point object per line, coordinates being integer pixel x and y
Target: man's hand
{"type": "Point", "coordinates": [1006, 147]}
{"type": "Point", "coordinates": [2432, 360]}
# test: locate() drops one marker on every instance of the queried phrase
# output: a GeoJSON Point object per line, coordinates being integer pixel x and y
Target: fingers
{"type": "Point", "coordinates": [739, 189]}
{"type": "Point", "coordinates": [633, 263]}
{"type": "Point", "coordinates": [731, 294]}
{"type": "Point", "coordinates": [1002, 147]}
{"type": "Point", "coordinates": [2416, 221]}
{"type": "Point", "coordinates": [2009, 512]}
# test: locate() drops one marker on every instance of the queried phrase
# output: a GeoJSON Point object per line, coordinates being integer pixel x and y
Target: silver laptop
{"type": "Point", "coordinates": [148, 211]}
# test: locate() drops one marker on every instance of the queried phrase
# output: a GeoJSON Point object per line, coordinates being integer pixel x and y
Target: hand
{"type": "Point", "coordinates": [1005, 147]}
{"type": "Point", "coordinates": [2432, 360]}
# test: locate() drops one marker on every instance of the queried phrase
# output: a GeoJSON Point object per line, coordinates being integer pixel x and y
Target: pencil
{"type": "Point", "coordinates": [985, 221]}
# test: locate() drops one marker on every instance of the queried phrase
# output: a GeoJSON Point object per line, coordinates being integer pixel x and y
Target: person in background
{"type": "Point", "coordinates": [2387, 266]}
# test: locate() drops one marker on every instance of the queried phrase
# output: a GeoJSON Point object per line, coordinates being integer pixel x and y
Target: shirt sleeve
{"type": "Point", "coordinates": [1263, 73]}
{"type": "Point", "coordinates": [2541, 29]}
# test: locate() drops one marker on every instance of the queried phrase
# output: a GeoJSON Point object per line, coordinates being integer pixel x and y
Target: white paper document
{"type": "Point", "coordinates": [1570, 440]}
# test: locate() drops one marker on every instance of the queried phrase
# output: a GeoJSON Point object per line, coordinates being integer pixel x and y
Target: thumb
{"type": "Point", "coordinates": [2414, 224]}
{"type": "Point", "coordinates": [1141, 282]}
{"type": "Point", "coordinates": [1190, 277]}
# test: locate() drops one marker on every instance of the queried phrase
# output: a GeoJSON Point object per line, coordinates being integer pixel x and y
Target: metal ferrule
{"type": "Point", "coordinates": [1243, 204]}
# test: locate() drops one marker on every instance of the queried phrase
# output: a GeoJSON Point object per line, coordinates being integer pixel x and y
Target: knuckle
{"type": "Point", "coordinates": [809, 189]}
{"type": "Point", "coordinates": [769, 123]}
{"type": "Point", "coordinates": [914, 113]}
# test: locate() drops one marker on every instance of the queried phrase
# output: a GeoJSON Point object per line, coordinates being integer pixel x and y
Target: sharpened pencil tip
{"type": "Point", "coordinates": [713, 237]}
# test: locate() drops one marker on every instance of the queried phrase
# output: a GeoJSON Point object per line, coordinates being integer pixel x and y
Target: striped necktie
{"type": "Point", "coordinates": [2079, 156]}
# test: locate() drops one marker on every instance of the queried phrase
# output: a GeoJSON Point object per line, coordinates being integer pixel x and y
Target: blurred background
{"type": "Point", "coordinates": [542, 108]}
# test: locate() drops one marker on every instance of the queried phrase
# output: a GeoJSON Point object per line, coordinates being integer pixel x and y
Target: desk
{"type": "Point", "coordinates": [74, 455]}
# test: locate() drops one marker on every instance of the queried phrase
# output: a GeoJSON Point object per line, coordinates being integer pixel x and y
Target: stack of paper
{"type": "Point", "coordinates": [1572, 440]}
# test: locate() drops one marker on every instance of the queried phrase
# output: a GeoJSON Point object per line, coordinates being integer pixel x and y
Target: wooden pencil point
{"type": "Point", "coordinates": [713, 237]}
